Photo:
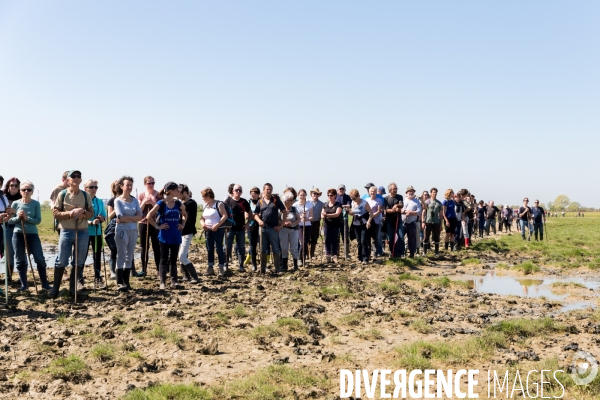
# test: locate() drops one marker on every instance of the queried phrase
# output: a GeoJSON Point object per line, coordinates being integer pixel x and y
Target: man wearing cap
{"type": "Point", "coordinates": [393, 225]}
{"type": "Point", "coordinates": [315, 221]}
{"type": "Point", "coordinates": [346, 202]}
{"type": "Point", "coordinates": [381, 201]}
{"type": "Point", "coordinates": [73, 207]}
{"type": "Point", "coordinates": [411, 212]}
{"type": "Point", "coordinates": [539, 219]}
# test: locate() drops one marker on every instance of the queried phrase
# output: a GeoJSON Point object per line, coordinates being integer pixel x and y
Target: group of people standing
{"type": "Point", "coordinates": [277, 227]}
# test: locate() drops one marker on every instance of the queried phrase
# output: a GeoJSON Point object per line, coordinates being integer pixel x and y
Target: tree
{"type": "Point", "coordinates": [561, 202]}
{"type": "Point", "coordinates": [551, 206]}
{"type": "Point", "coordinates": [574, 207]}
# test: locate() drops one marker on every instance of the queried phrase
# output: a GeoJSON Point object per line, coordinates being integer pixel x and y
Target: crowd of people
{"type": "Point", "coordinates": [278, 227]}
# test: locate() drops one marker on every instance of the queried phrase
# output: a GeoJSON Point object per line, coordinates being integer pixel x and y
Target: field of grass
{"type": "Point", "coordinates": [568, 243]}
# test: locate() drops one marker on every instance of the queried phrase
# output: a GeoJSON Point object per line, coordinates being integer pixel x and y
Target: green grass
{"type": "Point", "coordinates": [103, 351]}
{"type": "Point", "coordinates": [264, 331]}
{"type": "Point", "coordinates": [291, 324]}
{"type": "Point", "coordinates": [239, 311]}
{"type": "Point", "coordinates": [526, 328]}
{"type": "Point", "coordinates": [408, 277]}
{"type": "Point", "coordinates": [353, 319]}
{"type": "Point", "coordinates": [527, 268]}
{"type": "Point", "coordinates": [370, 334]}
{"type": "Point", "coordinates": [406, 262]}
{"type": "Point", "coordinates": [470, 261]}
{"type": "Point", "coordinates": [160, 332]}
{"type": "Point", "coordinates": [70, 368]}
{"type": "Point", "coordinates": [564, 285]}
{"type": "Point", "coordinates": [169, 391]}
{"type": "Point", "coordinates": [421, 326]}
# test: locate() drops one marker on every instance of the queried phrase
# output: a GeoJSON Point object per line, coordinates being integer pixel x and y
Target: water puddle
{"type": "Point", "coordinates": [538, 287]}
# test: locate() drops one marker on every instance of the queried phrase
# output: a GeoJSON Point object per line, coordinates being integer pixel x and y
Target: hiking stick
{"type": "Point", "coordinates": [145, 267]}
{"type": "Point", "coordinates": [94, 249]}
{"type": "Point", "coordinates": [322, 241]}
{"type": "Point", "coordinates": [5, 261]}
{"type": "Point", "coordinates": [303, 235]}
{"type": "Point", "coordinates": [76, 256]}
{"type": "Point", "coordinates": [345, 221]}
{"type": "Point", "coordinates": [28, 257]}
{"type": "Point", "coordinates": [227, 251]}
{"type": "Point", "coordinates": [545, 230]}
{"type": "Point", "coordinates": [103, 258]}
{"type": "Point", "coordinates": [260, 244]}
{"type": "Point", "coordinates": [396, 236]}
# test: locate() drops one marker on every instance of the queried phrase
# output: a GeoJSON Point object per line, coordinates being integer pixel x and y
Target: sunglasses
{"type": "Point", "coordinates": [150, 183]}
{"type": "Point", "coordinates": [26, 190]}
{"type": "Point", "coordinates": [76, 176]}
{"type": "Point", "coordinates": [92, 187]}
{"type": "Point", "coordinates": [331, 195]}
{"type": "Point", "coordinates": [13, 185]}
{"type": "Point", "coordinates": [237, 190]}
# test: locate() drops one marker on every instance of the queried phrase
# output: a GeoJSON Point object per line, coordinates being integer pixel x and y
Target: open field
{"type": "Point", "coordinates": [247, 336]}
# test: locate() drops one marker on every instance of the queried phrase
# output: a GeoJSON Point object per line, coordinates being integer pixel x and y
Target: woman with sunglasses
{"type": "Point", "coordinates": [213, 216]}
{"type": "Point", "coordinates": [332, 223]}
{"type": "Point", "coordinates": [148, 233]}
{"type": "Point", "coordinates": [288, 235]}
{"type": "Point", "coordinates": [12, 193]}
{"type": "Point", "coordinates": [95, 232]}
{"type": "Point", "coordinates": [361, 221]}
{"type": "Point", "coordinates": [28, 215]}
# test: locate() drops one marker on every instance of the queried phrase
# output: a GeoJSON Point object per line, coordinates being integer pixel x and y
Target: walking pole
{"type": "Point", "coordinates": [94, 258]}
{"type": "Point", "coordinates": [76, 256]}
{"type": "Point", "coordinates": [396, 236]}
{"type": "Point", "coordinates": [345, 221]}
{"type": "Point", "coordinates": [103, 258]}
{"type": "Point", "coordinates": [145, 267]}
{"type": "Point", "coordinates": [260, 246]}
{"type": "Point", "coordinates": [322, 241]}
{"type": "Point", "coordinates": [303, 235]}
{"type": "Point", "coordinates": [28, 256]}
{"type": "Point", "coordinates": [5, 261]}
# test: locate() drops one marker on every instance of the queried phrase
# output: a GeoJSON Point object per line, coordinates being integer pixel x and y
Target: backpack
{"type": "Point", "coordinates": [62, 195]}
{"type": "Point", "coordinates": [229, 222]}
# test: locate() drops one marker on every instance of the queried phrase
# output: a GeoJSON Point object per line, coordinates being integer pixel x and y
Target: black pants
{"type": "Point", "coordinates": [168, 261]}
{"type": "Point", "coordinates": [155, 244]}
{"type": "Point", "coordinates": [363, 242]}
{"type": "Point", "coordinates": [96, 244]}
{"type": "Point", "coordinates": [410, 230]}
{"type": "Point", "coordinates": [314, 236]}
{"type": "Point", "coordinates": [306, 231]}
{"type": "Point", "coordinates": [372, 235]}
{"type": "Point", "coordinates": [432, 230]}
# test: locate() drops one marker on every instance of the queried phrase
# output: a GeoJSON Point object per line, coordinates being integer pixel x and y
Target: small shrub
{"type": "Point", "coordinates": [292, 324]}
{"type": "Point", "coordinates": [370, 334]}
{"type": "Point", "coordinates": [103, 351]}
{"type": "Point", "coordinates": [239, 311]}
{"type": "Point", "coordinates": [421, 326]}
{"type": "Point", "coordinates": [169, 391]}
{"type": "Point", "coordinates": [353, 319]}
{"type": "Point", "coordinates": [71, 368]}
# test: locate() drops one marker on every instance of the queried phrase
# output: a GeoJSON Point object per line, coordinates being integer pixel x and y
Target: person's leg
{"type": "Point", "coordinates": [112, 259]}
{"type": "Point", "coordinates": [314, 237]}
{"type": "Point", "coordinates": [83, 242]}
{"type": "Point", "coordinates": [182, 256]}
{"type": "Point", "coordinates": [164, 264]}
{"type": "Point", "coordinates": [210, 249]}
{"type": "Point", "coordinates": [143, 230]}
{"type": "Point", "coordinates": [335, 246]}
{"type": "Point", "coordinates": [390, 227]}
{"type": "Point", "coordinates": [418, 236]}
{"type": "Point", "coordinates": [155, 245]}
{"type": "Point", "coordinates": [285, 244]}
{"type": "Point", "coordinates": [240, 241]}
{"type": "Point", "coordinates": [522, 228]}
{"type": "Point", "coordinates": [253, 238]}
{"type": "Point", "coordinates": [412, 238]}
{"type": "Point", "coordinates": [219, 236]}
{"type": "Point", "coordinates": [427, 238]}
{"type": "Point", "coordinates": [379, 242]}
{"type": "Point", "coordinates": [229, 236]}
{"type": "Point", "coordinates": [18, 246]}
{"type": "Point", "coordinates": [359, 244]}
{"type": "Point", "coordinates": [293, 239]}
{"type": "Point", "coordinates": [97, 254]}
{"type": "Point", "coordinates": [121, 240]}
{"type": "Point", "coordinates": [328, 241]}
{"type": "Point", "coordinates": [435, 231]}
{"type": "Point", "coordinates": [66, 239]}
{"type": "Point", "coordinates": [173, 251]}
{"type": "Point", "coordinates": [35, 247]}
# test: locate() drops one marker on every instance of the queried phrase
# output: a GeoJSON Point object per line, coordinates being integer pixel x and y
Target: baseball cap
{"type": "Point", "coordinates": [369, 185]}
{"type": "Point", "coordinates": [171, 186]}
{"type": "Point", "coordinates": [73, 171]}
{"type": "Point", "coordinates": [381, 189]}
{"type": "Point", "coordinates": [342, 186]}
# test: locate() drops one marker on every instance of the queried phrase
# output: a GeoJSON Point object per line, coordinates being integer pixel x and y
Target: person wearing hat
{"type": "Point", "coordinates": [72, 208]}
{"type": "Point", "coordinates": [170, 222]}
{"type": "Point", "coordinates": [378, 222]}
{"type": "Point", "coordinates": [411, 212]}
{"type": "Point", "coordinates": [393, 225]}
{"type": "Point", "coordinates": [346, 202]}
{"type": "Point", "coordinates": [315, 220]}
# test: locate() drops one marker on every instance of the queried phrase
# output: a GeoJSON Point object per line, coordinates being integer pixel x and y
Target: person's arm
{"type": "Point", "coordinates": [337, 213]}
{"type": "Point", "coordinates": [151, 218]}
{"type": "Point", "coordinates": [36, 218]}
{"type": "Point", "coordinates": [111, 212]}
{"type": "Point", "coordinates": [183, 217]}
{"type": "Point", "coordinates": [14, 220]}
{"type": "Point", "coordinates": [444, 211]}
{"type": "Point", "coordinates": [223, 213]}
{"type": "Point", "coordinates": [424, 214]}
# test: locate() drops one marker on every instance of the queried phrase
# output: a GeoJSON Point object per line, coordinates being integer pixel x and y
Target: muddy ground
{"type": "Point", "coordinates": [325, 317]}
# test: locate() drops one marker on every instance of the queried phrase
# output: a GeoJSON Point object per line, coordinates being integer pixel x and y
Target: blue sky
{"type": "Point", "coordinates": [499, 97]}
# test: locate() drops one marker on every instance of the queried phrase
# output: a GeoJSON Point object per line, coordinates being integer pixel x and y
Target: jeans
{"type": "Point", "coordinates": [240, 240]}
{"type": "Point", "coordinates": [396, 244]}
{"type": "Point", "coordinates": [481, 226]}
{"type": "Point", "coordinates": [372, 233]}
{"type": "Point", "coordinates": [214, 240]}
{"type": "Point", "coordinates": [523, 225]}
{"type": "Point", "coordinates": [10, 257]}
{"type": "Point", "coordinates": [538, 227]}
{"type": "Point", "coordinates": [153, 239]}
{"type": "Point", "coordinates": [362, 241]}
{"type": "Point", "coordinates": [184, 249]}
{"type": "Point", "coordinates": [168, 261]}
{"type": "Point", "coordinates": [96, 244]}
{"type": "Point", "coordinates": [304, 241]}
{"type": "Point", "coordinates": [253, 238]}
{"type": "Point", "coordinates": [35, 249]}
{"type": "Point", "coordinates": [379, 241]}
{"type": "Point", "coordinates": [332, 240]}
{"type": "Point", "coordinates": [288, 239]}
{"type": "Point", "coordinates": [490, 222]}
{"type": "Point", "coordinates": [125, 241]}
{"type": "Point", "coordinates": [66, 243]}
{"type": "Point", "coordinates": [270, 239]}
{"type": "Point", "coordinates": [411, 234]}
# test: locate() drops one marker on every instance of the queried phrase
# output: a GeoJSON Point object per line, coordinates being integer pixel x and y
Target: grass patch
{"type": "Point", "coordinates": [370, 334]}
{"type": "Point", "coordinates": [169, 391]}
{"type": "Point", "coordinates": [161, 333]}
{"type": "Point", "coordinates": [291, 324]}
{"type": "Point", "coordinates": [406, 262]}
{"type": "Point", "coordinates": [136, 354]}
{"type": "Point", "coordinates": [239, 311]}
{"type": "Point", "coordinates": [403, 313]}
{"type": "Point", "coordinates": [408, 277]}
{"type": "Point", "coordinates": [421, 326]}
{"type": "Point", "coordinates": [103, 351]}
{"type": "Point", "coordinates": [263, 331]}
{"type": "Point", "coordinates": [527, 268]}
{"type": "Point", "coordinates": [521, 329]}
{"type": "Point", "coordinates": [389, 288]}
{"type": "Point", "coordinates": [71, 368]}
{"type": "Point", "coordinates": [470, 261]}
{"type": "Point", "coordinates": [565, 285]}
{"type": "Point", "coordinates": [353, 319]}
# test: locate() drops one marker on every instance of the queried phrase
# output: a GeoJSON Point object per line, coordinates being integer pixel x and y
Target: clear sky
{"type": "Point", "coordinates": [500, 97]}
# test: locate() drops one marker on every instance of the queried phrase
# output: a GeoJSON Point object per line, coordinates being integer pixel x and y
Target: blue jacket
{"type": "Point", "coordinates": [98, 205]}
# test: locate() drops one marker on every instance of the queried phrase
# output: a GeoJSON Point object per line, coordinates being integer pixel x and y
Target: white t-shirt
{"type": "Point", "coordinates": [210, 215]}
{"type": "Point", "coordinates": [375, 204]}
{"type": "Point", "coordinates": [301, 208]}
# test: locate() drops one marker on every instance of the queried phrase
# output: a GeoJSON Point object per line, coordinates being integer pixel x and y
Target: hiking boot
{"type": "Point", "coordinates": [222, 270]}
{"type": "Point", "coordinates": [277, 262]}
{"type": "Point", "coordinates": [296, 262]}
{"type": "Point", "coordinates": [58, 275]}
{"type": "Point", "coordinates": [100, 284]}
{"type": "Point", "coordinates": [263, 263]}
{"type": "Point", "coordinates": [210, 271]}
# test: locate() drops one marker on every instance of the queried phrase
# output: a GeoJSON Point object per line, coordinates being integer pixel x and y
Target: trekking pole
{"type": "Point", "coordinates": [322, 241]}
{"type": "Point", "coordinates": [5, 261]}
{"type": "Point", "coordinates": [345, 221]}
{"type": "Point", "coordinates": [304, 236]}
{"type": "Point", "coordinates": [28, 257]}
{"type": "Point", "coordinates": [94, 257]}
{"type": "Point", "coordinates": [396, 236]}
{"type": "Point", "coordinates": [145, 267]}
{"type": "Point", "coordinates": [103, 258]}
{"type": "Point", "coordinates": [260, 245]}
{"type": "Point", "coordinates": [227, 251]}
{"type": "Point", "coordinates": [76, 256]}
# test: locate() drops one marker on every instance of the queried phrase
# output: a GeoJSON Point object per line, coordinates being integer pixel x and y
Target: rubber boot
{"type": "Point", "coordinates": [58, 275]}
{"type": "Point", "coordinates": [121, 286]}
{"type": "Point", "coordinates": [112, 262]}
{"type": "Point", "coordinates": [466, 243]}
{"type": "Point", "coordinates": [425, 248]}
{"type": "Point", "coordinates": [72, 282]}
{"type": "Point", "coordinates": [162, 274]}
{"type": "Point", "coordinates": [248, 259]}
{"type": "Point", "coordinates": [295, 265]}
{"type": "Point", "coordinates": [254, 263]}
{"type": "Point", "coordinates": [446, 245]}
{"type": "Point", "coordinates": [263, 263]}
{"type": "Point", "coordinates": [126, 275]}
{"type": "Point", "coordinates": [23, 279]}
{"type": "Point", "coordinates": [185, 276]}
{"type": "Point", "coordinates": [284, 264]}
{"type": "Point", "coordinates": [191, 272]}
{"type": "Point", "coordinates": [437, 249]}
{"type": "Point", "coordinates": [277, 262]}
{"type": "Point", "coordinates": [44, 278]}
